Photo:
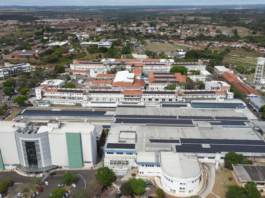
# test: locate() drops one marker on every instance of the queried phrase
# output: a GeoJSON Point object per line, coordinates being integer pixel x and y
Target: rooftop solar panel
{"type": "Point", "coordinates": [157, 73]}
{"type": "Point", "coordinates": [163, 141]}
{"type": "Point", "coordinates": [229, 123]}
{"type": "Point", "coordinates": [173, 106]}
{"type": "Point", "coordinates": [153, 121]}
{"type": "Point", "coordinates": [70, 91]}
{"type": "Point", "coordinates": [196, 117]}
{"type": "Point", "coordinates": [131, 106]}
{"type": "Point", "coordinates": [158, 92]}
{"type": "Point", "coordinates": [108, 92]}
{"type": "Point", "coordinates": [231, 118]}
{"type": "Point", "coordinates": [120, 146]}
{"type": "Point", "coordinates": [145, 116]}
{"type": "Point", "coordinates": [63, 113]}
{"type": "Point", "coordinates": [96, 63]}
{"type": "Point", "coordinates": [199, 92]}
{"type": "Point", "coordinates": [217, 104]}
{"type": "Point", "coordinates": [221, 141]}
{"type": "Point", "coordinates": [169, 77]}
{"type": "Point", "coordinates": [196, 148]}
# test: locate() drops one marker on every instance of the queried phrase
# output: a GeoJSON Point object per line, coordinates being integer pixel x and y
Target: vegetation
{"type": "Point", "coordinates": [105, 175]}
{"type": "Point", "coordinates": [250, 190]}
{"type": "Point", "coordinates": [179, 69]}
{"type": "Point", "coordinates": [57, 193]}
{"type": "Point", "coordinates": [69, 178]}
{"type": "Point", "coordinates": [126, 189]}
{"type": "Point", "coordinates": [200, 85]}
{"type": "Point", "coordinates": [9, 83]}
{"type": "Point", "coordinates": [59, 68]}
{"type": "Point", "coordinates": [6, 183]}
{"type": "Point", "coordinates": [8, 91]}
{"type": "Point", "coordinates": [238, 93]}
{"type": "Point", "coordinates": [232, 158]}
{"type": "Point", "coordinates": [138, 185]}
{"type": "Point", "coordinates": [170, 87]}
{"type": "Point", "coordinates": [160, 192]}
{"type": "Point", "coordinates": [69, 85]}
{"type": "Point", "coordinates": [24, 91]}
{"type": "Point", "coordinates": [20, 100]}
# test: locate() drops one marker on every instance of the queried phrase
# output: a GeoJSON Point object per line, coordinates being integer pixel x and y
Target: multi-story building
{"type": "Point", "coordinates": [13, 70]}
{"type": "Point", "coordinates": [35, 147]}
{"type": "Point", "coordinates": [94, 68]}
{"type": "Point", "coordinates": [158, 81]}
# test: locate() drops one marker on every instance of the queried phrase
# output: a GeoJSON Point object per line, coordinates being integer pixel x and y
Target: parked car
{"type": "Point", "coordinates": [118, 195]}
{"type": "Point", "coordinates": [66, 195]}
{"type": "Point", "coordinates": [41, 189]}
{"type": "Point", "coordinates": [53, 173]}
{"type": "Point", "coordinates": [60, 185]}
{"type": "Point", "coordinates": [39, 176]}
{"type": "Point", "coordinates": [97, 196]}
{"type": "Point", "coordinates": [69, 192]}
{"type": "Point", "coordinates": [47, 183]}
{"type": "Point", "coordinates": [74, 186]}
{"type": "Point", "coordinates": [148, 182]}
{"type": "Point", "coordinates": [105, 187]}
{"type": "Point", "coordinates": [33, 195]}
{"type": "Point", "coordinates": [102, 189]}
{"type": "Point", "coordinates": [37, 193]}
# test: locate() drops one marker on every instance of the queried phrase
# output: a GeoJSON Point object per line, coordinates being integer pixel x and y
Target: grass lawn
{"type": "Point", "coordinates": [240, 61]}
{"type": "Point", "coordinates": [221, 182]}
{"type": "Point", "coordinates": [161, 47]}
{"type": "Point", "coordinates": [211, 196]}
{"type": "Point", "coordinates": [229, 30]}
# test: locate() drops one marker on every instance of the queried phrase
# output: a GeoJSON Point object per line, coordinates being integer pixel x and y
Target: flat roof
{"type": "Point", "coordinates": [247, 173]}
{"type": "Point", "coordinates": [257, 101]}
{"type": "Point", "coordinates": [180, 165]}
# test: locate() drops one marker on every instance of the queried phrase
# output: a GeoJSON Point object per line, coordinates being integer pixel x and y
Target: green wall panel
{"type": "Point", "coordinates": [2, 167]}
{"type": "Point", "coordinates": [74, 148]}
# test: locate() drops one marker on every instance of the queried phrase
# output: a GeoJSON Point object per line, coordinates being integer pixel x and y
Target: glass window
{"type": "Point", "coordinates": [31, 154]}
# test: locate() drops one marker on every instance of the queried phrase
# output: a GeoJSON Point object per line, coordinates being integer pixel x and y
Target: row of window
{"type": "Point", "coordinates": [200, 157]}
{"type": "Point", "coordinates": [150, 165]}
{"type": "Point", "coordinates": [119, 153]}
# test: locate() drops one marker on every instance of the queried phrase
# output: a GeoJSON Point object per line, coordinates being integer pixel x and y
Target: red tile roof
{"type": "Point", "coordinates": [101, 82]}
{"type": "Point", "coordinates": [106, 75]}
{"type": "Point", "coordinates": [132, 92]}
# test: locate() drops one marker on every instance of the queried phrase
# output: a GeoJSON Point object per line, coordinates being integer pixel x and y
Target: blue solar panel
{"type": "Point", "coordinates": [230, 123]}
{"type": "Point", "coordinates": [195, 117]}
{"type": "Point", "coordinates": [163, 141]}
{"type": "Point", "coordinates": [120, 146]}
{"type": "Point", "coordinates": [152, 121]}
{"type": "Point", "coordinates": [221, 141]}
{"type": "Point", "coordinates": [231, 118]}
{"type": "Point", "coordinates": [145, 116]}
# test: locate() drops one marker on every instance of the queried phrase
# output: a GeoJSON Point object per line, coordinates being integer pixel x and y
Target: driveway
{"type": "Point", "coordinates": [210, 180]}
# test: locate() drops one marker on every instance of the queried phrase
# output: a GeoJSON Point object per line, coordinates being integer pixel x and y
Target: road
{"type": "Point", "coordinates": [210, 180]}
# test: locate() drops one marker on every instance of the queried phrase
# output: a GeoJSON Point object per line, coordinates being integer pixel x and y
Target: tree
{"type": "Point", "coordinates": [240, 69]}
{"type": "Point", "coordinates": [163, 56]}
{"type": "Point", "coordinates": [9, 83]}
{"type": "Point", "coordinates": [160, 192]}
{"type": "Point", "coordinates": [126, 189]}
{"type": "Point", "coordinates": [20, 100]}
{"type": "Point", "coordinates": [57, 193]}
{"type": "Point", "coordinates": [68, 78]}
{"type": "Point", "coordinates": [69, 85]}
{"type": "Point", "coordinates": [179, 69]}
{"type": "Point", "coordinates": [4, 107]}
{"type": "Point", "coordinates": [69, 178]}
{"type": "Point", "coordinates": [24, 91]}
{"type": "Point", "coordinates": [126, 50]}
{"type": "Point", "coordinates": [190, 84]}
{"type": "Point", "coordinates": [170, 87]}
{"type": "Point", "coordinates": [201, 85]}
{"type": "Point", "coordinates": [210, 69]}
{"type": "Point", "coordinates": [105, 175]}
{"type": "Point", "coordinates": [138, 185]}
{"type": "Point", "coordinates": [250, 190]}
{"type": "Point", "coordinates": [7, 183]}
{"type": "Point", "coordinates": [8, 90]}
{"type": "Point", "coordinates": [59, 68]}
{"type": "Point", "coordinates": [234, 158]}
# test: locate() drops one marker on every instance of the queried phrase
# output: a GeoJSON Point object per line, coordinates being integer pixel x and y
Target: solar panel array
{"type": "Point", "coordinates": [197, 148]}
{"type": "Point", "coordinates": [120, 146]}
{"type": "Point", "coordinates": [231, 118]}
{"type": "Point", "coordinates": [195, 117]}
{"type": "Point", "coordinates": [152, 121]}
{"type": "Point", "coordinates": [70, 91]}
{"type": "Point", "coordinates": [157, 73]}
{"type": "Point", "coordinates": [96, 63]}
{"type": "Point", "coordinates": [62, 113]}
{"type": "Point", "coordinates": [227, 123]}
{"type": "Point", "coordinates": [217, 104]}
{"type": "Point", "coordinates": [163, 141]}
{"type": "Point", "coordinates": [169, 77]}
{"type": "Point", "coordinates": [165, 81]}
{"type": "Point", "coordinates": [221, 141]}
{"type": "Point", "coordinates": [108, 92]}
{"type": "Point", "coordinates": [145, 116]}
{"type": "Point", "coordinates": [199, 92]}
{"type": "Point", "coordinates": [130, 106]}
{"type": "Point", "coordinates": [174, 105]}
{"type": "Point", "coordinates": [158, 92]}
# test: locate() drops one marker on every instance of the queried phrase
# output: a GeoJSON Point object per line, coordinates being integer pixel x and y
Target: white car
{"type": "Point", "coordinates": [47, 183]}
{"type": "Point", "coordinates": [39, 176]}
{"type": "Point", "coordinates": [74, 186]}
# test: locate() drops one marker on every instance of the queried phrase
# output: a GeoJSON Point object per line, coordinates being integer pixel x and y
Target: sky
{"type": "Point", "coordinates": [125, 2]}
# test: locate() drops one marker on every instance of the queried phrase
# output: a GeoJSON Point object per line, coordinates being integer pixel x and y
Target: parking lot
{"type": "Point", "coordinates": [83, 176]}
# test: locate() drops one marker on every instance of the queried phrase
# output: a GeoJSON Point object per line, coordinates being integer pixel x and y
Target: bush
{"type": "Point", "coordinates": [138, 185]}
{"type": "Point", "coordinates": [105, 175]}
{"type": "Point", "coordinates": [69, 178]}
{"type": "Point", "coordinates": [126, 189]}
{"type": "Point", "coordinates": [234, 158]}
{"type": "Point", "coordinates": [133, 174]}
{"type": "Point", "coordinates": [230, 178]}
{"type": "Point", "coordinates": [57, 193]}
{"type": "Point", "coordinates": [69, 85]}
{"type": "Point", "coordinates": [160, 193]}
{"type": "Point", "coordinates": [179, 69]}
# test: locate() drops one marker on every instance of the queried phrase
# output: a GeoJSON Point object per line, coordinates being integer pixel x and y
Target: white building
{"type": "Point", "coordinates": [14, 70]}
{"type": "Point", "coordinates": [94, 68]}
{"type": "Point", "coordinates": [222, 69]}
{"type": "Point", "coordinates": [41, 146]}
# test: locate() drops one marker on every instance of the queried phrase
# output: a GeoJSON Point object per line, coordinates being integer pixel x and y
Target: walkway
{"type": "Point", "coordinates": [210, 180]}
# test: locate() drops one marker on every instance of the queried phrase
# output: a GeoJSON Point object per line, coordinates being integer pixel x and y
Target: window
{"type": "Point", "coordinates": [119, 153]}
{"type": "Point", "coordinates": [109, 152]}
{"type": "Point", "coordinates": [211, 157]}
{"type": "Point", "coordinates": [129, 153]}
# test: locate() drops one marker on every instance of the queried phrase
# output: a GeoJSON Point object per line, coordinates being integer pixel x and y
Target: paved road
{"type": "Point", "coordinates": [210, 180]}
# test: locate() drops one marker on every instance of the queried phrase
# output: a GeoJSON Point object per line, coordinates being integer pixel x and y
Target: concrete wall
{"type": "Point", "coordinates": [8, 148]}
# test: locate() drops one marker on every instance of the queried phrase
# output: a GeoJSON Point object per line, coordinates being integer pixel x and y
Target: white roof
{"type": "Point", "coordinates": [124, 76]}
{"type": "Point", "coordinates": [147, 157]}
{"type": "Point", "coordinates": [58, 43]}
{"type": "Point", "coordinates": [221, 68]}
{"type": "Point", "coordinates": [180, 165]}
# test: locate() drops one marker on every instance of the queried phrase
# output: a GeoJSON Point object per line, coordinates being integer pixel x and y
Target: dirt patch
{"type": "Point", "coordinates": [222, 182]}
{"type": "Point", "coordinates": [211, 196]}
{"type": "Point", "coordinates": [14, 113]}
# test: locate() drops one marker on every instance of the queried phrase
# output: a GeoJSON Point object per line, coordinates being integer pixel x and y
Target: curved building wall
{"type": "Point", "coordinates": [42, 147]}
{"type": "Point", "coordinates": [180, 185]}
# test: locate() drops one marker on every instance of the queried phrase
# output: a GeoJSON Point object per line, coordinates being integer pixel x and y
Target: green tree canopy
{"type": "Point", "coordinates": [105, 175]}
{"type": "Point", "coordinates": [57, 193]}
{"type": "Point", "coordinates": [69, 178]}
{"type": "Point", "coordinates": [59, 68]}
{"type": "Point", "coordinates": [8, 90]}
{"type": "Point", "coordinates": [126, 189]}
{"type": "Point", "coordinates": [69, 85]}
{"type": "Point", "coordinates": [9, 83]}
{"type": "Point", "coordinates": [160, 192]}
{"type": "Point", "coordinates": [250, 190]}
{"type": "Point", "coordinates": [68, 78]}
{"type": "Point", "coordinates": [138, 185]}
{"type": "Point", "coordinates": [179, 69]}
{"type": "Point", "coordinates": [234, 158]}
{"type": "Point", "coordinates": [20, 100]}
{"type": "Point", "coordinates": [126, 50]}
{"type": "Point", "coordinates": [170, 87]}
{"type": "Point", "coordinates": [24, 91]}
{"type": "Point", "coordinates": [163, 56]}
{"type": "Point", "coordinates": [201, 85]}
